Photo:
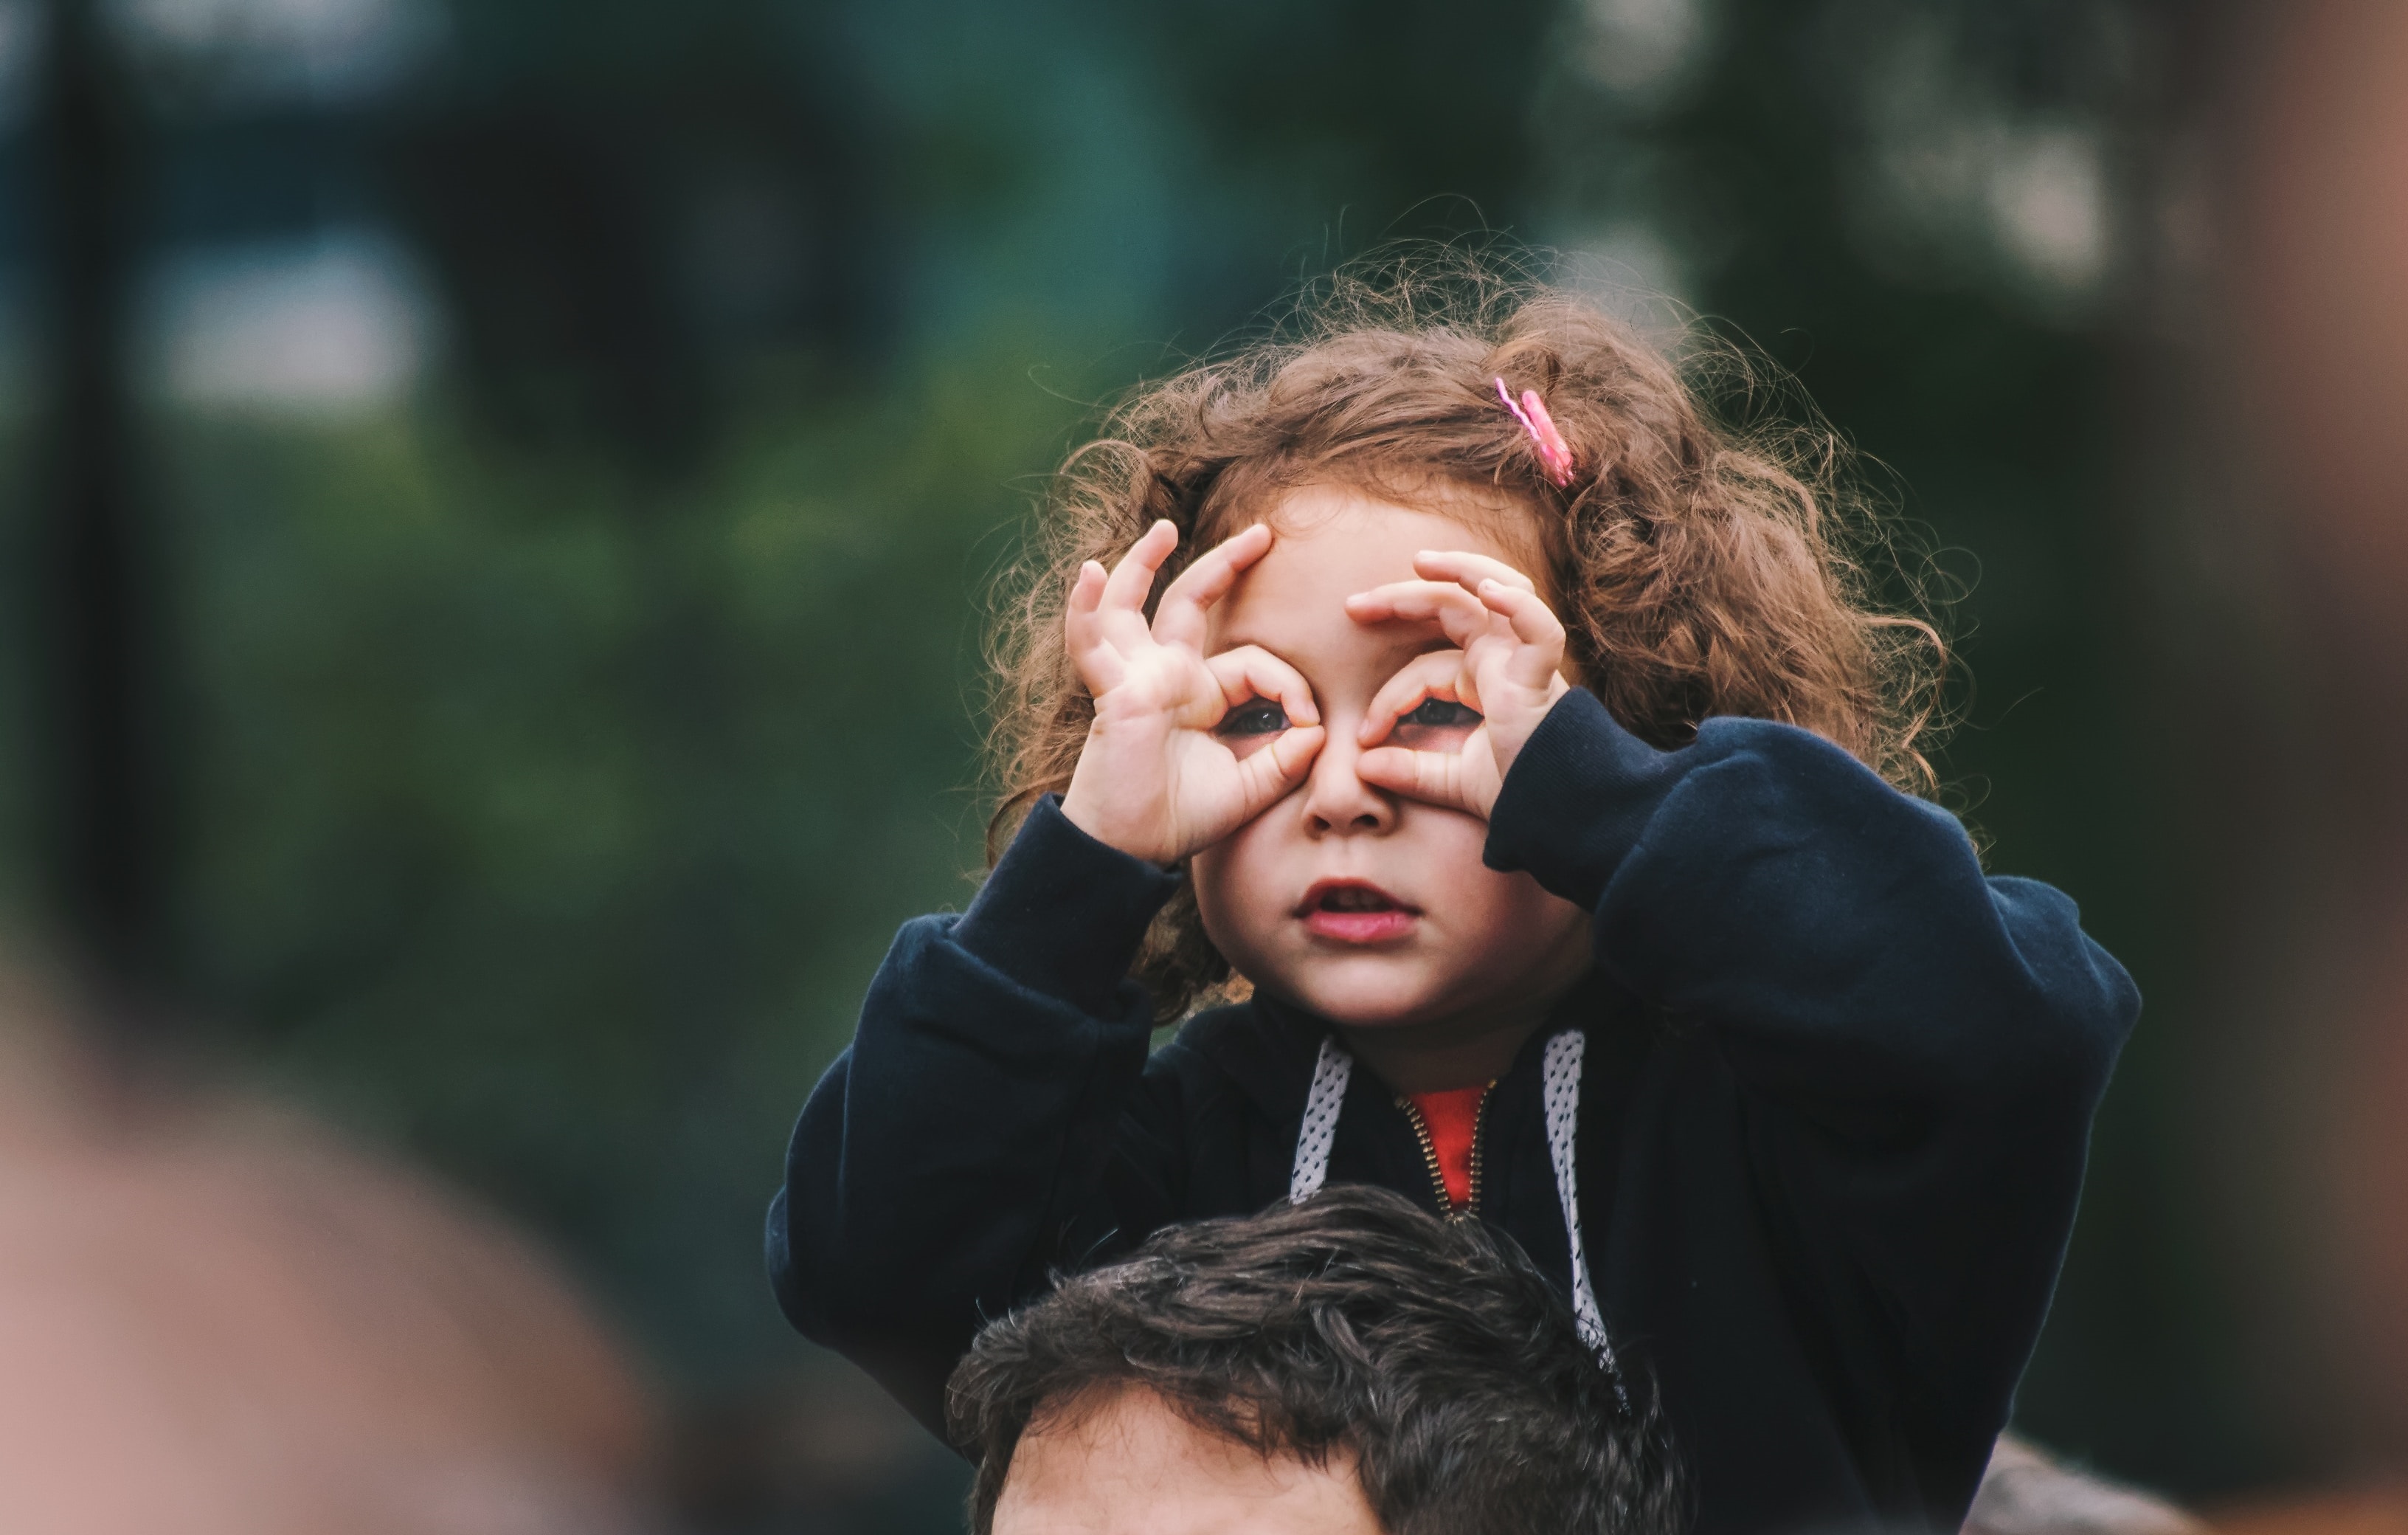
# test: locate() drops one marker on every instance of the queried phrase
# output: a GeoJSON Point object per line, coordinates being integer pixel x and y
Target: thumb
{"type": "Point", "coordinates": [1272, 771]}
{"type": "Point", "coordinates": [1435, 777]}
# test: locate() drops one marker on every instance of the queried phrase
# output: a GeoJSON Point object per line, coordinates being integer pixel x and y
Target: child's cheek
{"type": "Point", "coordinates": [1222, 887]}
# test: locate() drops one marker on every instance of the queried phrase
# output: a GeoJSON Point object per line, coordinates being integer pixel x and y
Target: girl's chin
{"type": "Point", "coordinates": [1343, 993]}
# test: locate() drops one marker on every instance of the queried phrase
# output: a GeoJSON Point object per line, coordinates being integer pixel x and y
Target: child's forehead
{"type": "Point", "coordinates": [1343, 527]}
{"type": "Point", "coordinates": [1331, 544]}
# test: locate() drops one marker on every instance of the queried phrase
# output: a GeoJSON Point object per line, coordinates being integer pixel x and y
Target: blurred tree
{"type": "Point", "coordinates": [620, 218]}
{"type": "Point", "coordinates": [103, 780]}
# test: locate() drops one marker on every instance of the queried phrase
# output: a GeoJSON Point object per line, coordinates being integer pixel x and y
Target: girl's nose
{"type": "Point", "coordinates": [1336, 799]}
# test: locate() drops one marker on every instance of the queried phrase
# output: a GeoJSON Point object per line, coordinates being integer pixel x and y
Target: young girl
{"type": "Point", "coordinates": [1516, 743]}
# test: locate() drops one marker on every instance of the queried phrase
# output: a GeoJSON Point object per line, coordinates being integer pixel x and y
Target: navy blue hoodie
{"type": "Point", "coordinates": [1836, 1101]}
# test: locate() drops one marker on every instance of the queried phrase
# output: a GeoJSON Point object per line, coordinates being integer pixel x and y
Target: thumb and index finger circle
{"type": "Point", "coordinates": [1251, 671]}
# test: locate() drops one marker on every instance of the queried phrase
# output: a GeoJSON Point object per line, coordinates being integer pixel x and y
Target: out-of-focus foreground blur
{"type": "Point", "coordinates": [499, 497]}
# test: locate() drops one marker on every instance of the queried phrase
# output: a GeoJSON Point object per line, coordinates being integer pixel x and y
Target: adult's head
{"type": "Point", "coordinates": [1348, 1365]}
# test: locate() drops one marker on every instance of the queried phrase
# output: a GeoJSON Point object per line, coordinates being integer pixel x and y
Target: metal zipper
{"type": "Point", "coordinates": [1479, 1123]}
{"type": "Point", "coordinates": [1429, 1153]}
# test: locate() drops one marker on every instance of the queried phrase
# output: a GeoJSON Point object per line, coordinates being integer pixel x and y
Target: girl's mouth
{"type": "Point", "coordinates": [1355, 912]}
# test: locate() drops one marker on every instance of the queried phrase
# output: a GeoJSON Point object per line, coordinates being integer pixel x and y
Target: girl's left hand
{"type": "Point", "coordinates": [1507, 668]}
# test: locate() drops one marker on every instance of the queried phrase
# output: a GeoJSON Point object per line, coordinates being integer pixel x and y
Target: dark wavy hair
{"type": "Point", "coordinates": [1701, 567]}
{"type": "Point", "coordinates": [1431, 1352]}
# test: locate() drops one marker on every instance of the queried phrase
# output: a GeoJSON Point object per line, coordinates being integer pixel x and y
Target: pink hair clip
{"type": "Point", "coordinates": [1531, 413]}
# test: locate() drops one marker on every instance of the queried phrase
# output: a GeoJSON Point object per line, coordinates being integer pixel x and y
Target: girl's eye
{"type": "Point", "coordinates": [1261, 717]}
{"type": "Point", "coordinates": [1439, 715]}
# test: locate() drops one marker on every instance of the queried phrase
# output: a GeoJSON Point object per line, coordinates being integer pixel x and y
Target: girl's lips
{"type": "Point", "coordinates": [1355, 912]}
{"type": "Point", "coordinates": [1361, 927]}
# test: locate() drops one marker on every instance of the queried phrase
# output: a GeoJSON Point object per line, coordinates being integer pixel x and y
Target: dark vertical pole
{"type": "Point", "coordinates": [103, 809]}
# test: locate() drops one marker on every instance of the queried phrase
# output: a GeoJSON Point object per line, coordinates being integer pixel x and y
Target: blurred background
{"type": "Point", "coordinates": [497, 500]}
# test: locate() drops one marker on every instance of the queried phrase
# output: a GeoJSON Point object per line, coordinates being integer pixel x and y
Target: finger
{"type": "Point", "coordinates": [1086, 593]}
{"type": "Point", "coordinates": [1133, 578]}
{"type": "Point", "coordinates": [1121, 614]}
{"type": "Point", "coordinates": [1457, 611]}
{"type": "Point", "coordinates": [1540, 654]}
{"type": "Point", "coordinates": [1179, 619]}
{"type": "Point", "coordinates": [1468, 569]}
{"type": "Point", "coordinates": [1098, 664]}
{"type": "Point", "coordinates": [1435, 777]}
{"type": "Point", "coordinates": [1267, 775]}
{"type": "Point", "coordinates": [1251, 671]}
{"type": "Point", "coordinates": [1439, 674]}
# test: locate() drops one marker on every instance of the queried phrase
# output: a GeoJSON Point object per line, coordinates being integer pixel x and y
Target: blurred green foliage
{"type": "Point", "coordinates": [552, 820]}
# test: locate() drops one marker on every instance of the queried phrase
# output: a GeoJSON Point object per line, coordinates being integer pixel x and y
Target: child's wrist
{"type": "Point", "coordinates": [1064, 913]}
{"type": "Point", "coordinates": [1508, 751]}
{"type": "Point", "coordinates": [1081, 811]}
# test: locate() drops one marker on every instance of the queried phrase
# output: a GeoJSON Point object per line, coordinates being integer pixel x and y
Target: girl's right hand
{"type": "Point", "coordinates": [1183, 750]}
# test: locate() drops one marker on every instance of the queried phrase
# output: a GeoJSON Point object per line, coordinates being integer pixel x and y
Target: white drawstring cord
{"type": "Point", "coordinates": [1561, 1078]}
{"type": "Point", "coordinates": [1321, 1106]}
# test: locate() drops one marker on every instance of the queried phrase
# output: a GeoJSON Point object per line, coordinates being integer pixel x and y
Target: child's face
{"type": "Point", "coordinates": [1365, 907]}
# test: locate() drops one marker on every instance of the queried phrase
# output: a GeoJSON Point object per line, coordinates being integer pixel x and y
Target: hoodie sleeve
{"type": "Point", "coordinates": [1919, 1048]}
{"type": "Point", "coordinates": [943, 1161]}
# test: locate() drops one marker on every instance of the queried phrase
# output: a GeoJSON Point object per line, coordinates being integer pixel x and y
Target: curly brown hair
{"type": "Point", "coordinates": [1701, 565]}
